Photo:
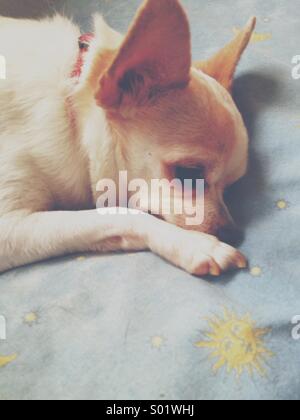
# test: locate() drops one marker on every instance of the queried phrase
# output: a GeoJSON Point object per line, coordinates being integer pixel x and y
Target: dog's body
{"type": "Point", "coordinates": [130, 109]}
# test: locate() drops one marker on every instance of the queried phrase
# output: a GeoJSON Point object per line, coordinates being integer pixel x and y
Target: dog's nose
{"type": "Point", "coordinates": [230, 235]}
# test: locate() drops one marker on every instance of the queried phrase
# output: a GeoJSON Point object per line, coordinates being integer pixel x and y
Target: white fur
{"type": "Point", "coordinates": [48, 166]}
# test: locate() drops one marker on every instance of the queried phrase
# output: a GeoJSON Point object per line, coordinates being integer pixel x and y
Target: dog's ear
{"type": "Point", "coordinates": [155, 55]}
{"type": "Point", "coordinates": [222, 66]}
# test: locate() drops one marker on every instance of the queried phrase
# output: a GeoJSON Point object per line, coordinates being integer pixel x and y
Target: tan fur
{"type": "Point", "coordinates": [222, 65]}
{"type": "Point", "coordinates": [139, 106]}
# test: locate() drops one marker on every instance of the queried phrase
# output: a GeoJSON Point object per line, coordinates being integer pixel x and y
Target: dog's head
{"type": "Point", "coordinates": [175, 118]}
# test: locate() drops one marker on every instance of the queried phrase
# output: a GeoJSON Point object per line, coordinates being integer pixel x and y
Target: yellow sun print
{"type": "Point", "coordinates": [31, 318]}
{"type": "Point", "coordinates": [6, 360]}
{"type": "Point", "coordinates": [157, 342]}
{"type": "Point", "coordinates": [282, 204]}
{"type": "Point", "coordinates": [256, 271]}
{"type": "Point", "coordinates": [237, 344]}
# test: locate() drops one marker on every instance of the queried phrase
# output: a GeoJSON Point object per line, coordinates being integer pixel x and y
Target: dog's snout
{"type": "Point", "coordinates": [230, 235]}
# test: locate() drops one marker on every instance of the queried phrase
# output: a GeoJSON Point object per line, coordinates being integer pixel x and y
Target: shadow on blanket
{"type": "Point", "coordinates": [253, 93]}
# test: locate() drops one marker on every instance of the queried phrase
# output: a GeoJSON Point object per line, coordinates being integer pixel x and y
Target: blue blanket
{"type": "Point", "coordinates": [134, 327]}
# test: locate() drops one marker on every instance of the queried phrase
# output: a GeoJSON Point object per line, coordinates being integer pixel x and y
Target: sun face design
{"type": "Point", "coordinates": [237, 344]}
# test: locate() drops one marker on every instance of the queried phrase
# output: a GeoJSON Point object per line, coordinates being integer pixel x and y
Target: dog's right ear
{"type": "Point", "coordinates": [155, 56]}
{"type": "Point", "coordinates": [222, 65]}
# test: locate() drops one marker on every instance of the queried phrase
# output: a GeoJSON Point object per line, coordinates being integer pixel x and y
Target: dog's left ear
{"type": "Point", "coordinates": [222, 66]}
{"type": "Point", "coordinates": [156, 55]}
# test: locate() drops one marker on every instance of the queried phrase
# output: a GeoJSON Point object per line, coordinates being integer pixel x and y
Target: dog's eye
{"type": "Point", "coordinates": [193, 174]}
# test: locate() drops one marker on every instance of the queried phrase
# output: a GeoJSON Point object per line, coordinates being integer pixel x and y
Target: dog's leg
{"type": "Point", "coordinates": [27, 238]}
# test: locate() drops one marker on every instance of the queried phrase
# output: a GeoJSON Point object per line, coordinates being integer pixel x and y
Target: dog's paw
{"type": "Point", "coordinates": [202, 254]}
{"type": "Point", "coordinates": [197, 253]}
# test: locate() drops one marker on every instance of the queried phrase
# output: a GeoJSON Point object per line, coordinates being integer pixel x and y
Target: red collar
{"type": "Point", "coordinates": [84, 44]}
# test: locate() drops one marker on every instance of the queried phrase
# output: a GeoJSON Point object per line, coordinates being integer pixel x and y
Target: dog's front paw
{"type": "Point", "coordinates": [206, 255]}
{"type": "Point", "coordinates": [202, 254]}
{"type": "Point", "coordinates": [197, 253]}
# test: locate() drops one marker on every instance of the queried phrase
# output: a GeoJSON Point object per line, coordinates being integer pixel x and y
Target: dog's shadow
{"type": "Point", "coordinates": [254, 94]}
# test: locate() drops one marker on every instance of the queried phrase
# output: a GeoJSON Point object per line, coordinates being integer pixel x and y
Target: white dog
{"type": "Point", "coordinates": [71, 117]}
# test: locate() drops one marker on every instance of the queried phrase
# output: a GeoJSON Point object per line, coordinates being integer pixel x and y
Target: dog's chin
{"type": "Point", "coordinates": [229, 234]}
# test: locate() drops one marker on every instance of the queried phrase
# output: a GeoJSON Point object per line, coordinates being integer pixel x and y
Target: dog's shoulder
{"type": "Point", "coordinates": [39, 56]}
{"type": "Point", "coordinates": [38, 49]}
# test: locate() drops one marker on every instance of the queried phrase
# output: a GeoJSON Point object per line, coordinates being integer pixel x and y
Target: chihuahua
{"type": "Point", "coordinates": [71, 117]}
